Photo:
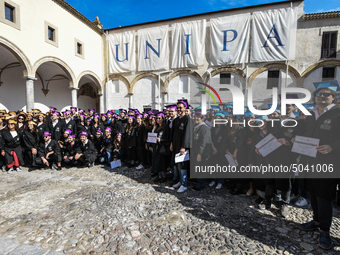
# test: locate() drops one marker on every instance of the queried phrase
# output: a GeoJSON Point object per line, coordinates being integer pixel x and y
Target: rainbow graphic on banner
{"type": "Point", "coordinates": [209, 93]}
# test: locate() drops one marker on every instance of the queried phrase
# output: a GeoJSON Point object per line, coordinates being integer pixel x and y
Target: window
{"type": "Point", "coordinates": [273, 79]}
{"type": "Point", "coordinates": [329, 42]}
{"type": "Point", "coordinates": [51, 34]}
{"type": "Point", "coordinates": [183, 84]}
{"type": "Point", "coordinates": [9, 12]}
{"type": "Point", "coordinates": [115, 83]}
{"type": "Point", "coordinates": [225, 78]}
{"type": "Point", "coordinates": [328, 73]}
{"type": "Point", "coordinates": [79, 48]}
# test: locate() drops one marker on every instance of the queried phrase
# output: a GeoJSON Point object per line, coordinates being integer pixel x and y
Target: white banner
{"type": "Point", "coordinates": [274, 35]}
{"type": "Point", "coordinates": [122, 53]}
{"type": "Point", "coordinates": [153, 48]}
{"type": "Point", "coordinates": [229, 39]}
{"type": "Point", "coordinates": [188, 44]}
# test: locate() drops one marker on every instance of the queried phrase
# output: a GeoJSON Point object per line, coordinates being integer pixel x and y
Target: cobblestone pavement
{"type": "Point", "coordinates": [99, 211]}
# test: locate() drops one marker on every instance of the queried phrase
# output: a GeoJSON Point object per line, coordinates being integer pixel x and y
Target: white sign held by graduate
{"type": "Point", "coordinates": [267, 145]}
{"type": "Point", "coordinates": [122, 53]}
{"type": "Point", "coordinates": [188, 44]}
{"type": "Point", "coordinates": [153, 48]}
{"type": "Point", "coordinates": [274, 35]}
{"type": "Point", "coordinates": [115, 164]}
{"type": "Point", "coordinates": [306, 146]}
{"type": "Point", "coordinates": [229, 39]}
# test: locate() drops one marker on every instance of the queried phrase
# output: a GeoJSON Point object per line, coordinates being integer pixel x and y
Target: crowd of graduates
{"type": "Point", "coordinates": [75, 138]}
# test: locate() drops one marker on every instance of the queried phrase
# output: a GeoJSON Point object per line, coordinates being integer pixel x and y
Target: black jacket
{"type": "Point", "coordinates": [52, 146]}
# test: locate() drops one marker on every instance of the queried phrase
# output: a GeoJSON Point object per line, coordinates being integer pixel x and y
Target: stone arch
{"type": "Point", "coordinates": [21, 57]}
{"type": "Point", "coordinates": [95, 77]}
{"type": "Point", "coordinates": [141, 76]}
{"type": "Point", "coordinates": [309, 70]}
{"type": "Point", "coordinates": [120, 77]}
{"type": "Point", "coordinates": [237, 71]}
{"type": "Point", "coordinates": [281, 66]}
{"type": "Point", "coordinates": [179, 72]}
{"type": "Point", "coordinates": [68, 71]}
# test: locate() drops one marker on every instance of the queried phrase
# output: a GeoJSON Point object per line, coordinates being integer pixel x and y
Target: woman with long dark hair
{"type": "Point", "coordinates": [12, 147]}
{"type": "Point", "coordinates": [106, 150]}
{"type": "Point", "coordinates": [130, 142]}
{"type": "Point", "coordinates": [81, 126]}
{"type": "Point", "coordinates": [161, 149]}
{"type": "Point", "coordinates": [42, 127]}
{"type": "Point", "coordinates": [96, 123]}
{"type": "Point", "coordinates": [31, 141]}
{"type": "Point", "coordinates": [140, 145]}
{"type": "Point", "coordinates": [118, 147]}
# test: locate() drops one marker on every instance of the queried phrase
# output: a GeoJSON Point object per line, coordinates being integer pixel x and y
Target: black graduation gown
{"type": "Point", "coordinates": [72, 125]}
{"type": "Point", "coordinates": [130, 138]}
{"type": "Point", "coordinates": [52, 146]}
{"type": "Point", "coordinates": [58, 130]}
{"type": "Point", "coordinates": [41, 130]}
{"type": "Point", "coordinates": [98, 143]}
{"type": "Point", "coordinates": [12, 144]}
{"type": "Point", "coordinates": [239, 142]}
{"type": "Point", "coordinates": [99, 127]}
{"type": "Point", "coordinates": [121, 125]}
{"type": "Point", "coordinates": [71, 150]}
{"type": "Point", "coordinates": [327, 129]}
{"type": "Point", "coordinates": [108, 144]}
{"type": "Point", "coordinates": [2, 145]}
{"type": "Point", "coordinates": [159, 164]}
{"type": "Point", "coordinates": [118, 127]}
{"type": "Point", "coordinates": [181, 137]}
{"type": "Point", "coordinates": [219, 138]}
{"type": "Point", "coordinates": [30, 140]}
{"type": "Point", "coordinates": [201, 142]}
{"type": "Point", "coordinates": [119, 153]}
{"type": "Point", "coordinates": [283, 155]}
{"type": "Point", "coordinates": [88, 150]}
{"type": "Point", "coordinates": [81, 128]}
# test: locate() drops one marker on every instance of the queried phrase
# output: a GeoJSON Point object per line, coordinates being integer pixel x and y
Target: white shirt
{"type": "Point", "coordinates": [87, 140]}
{"type": "Point", "coordinates": [54, 123]}
{"type": "Point", "coordinates": [14, 133]}
{"type": "Point", "coordinates": [46, 144]}
{"type": "Point", "coordinates": [315, 110]}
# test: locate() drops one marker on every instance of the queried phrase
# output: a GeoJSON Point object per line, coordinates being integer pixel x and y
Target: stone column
{"type": "Point", "coordinates": [101, 103]}
{"type": "Point", "coordinates": [130, 100]}
{"type": "Point", "coordinates": [74, 98]}
{"type": "Point", "coordinates": [29, 93]}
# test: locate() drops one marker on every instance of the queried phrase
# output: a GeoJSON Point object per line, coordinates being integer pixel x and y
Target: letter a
{"type": "Point", "coordinates": [276, 36]}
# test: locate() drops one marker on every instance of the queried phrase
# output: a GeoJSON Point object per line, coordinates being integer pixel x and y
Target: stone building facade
{"type": "Point", "coordinates": [50, 54]}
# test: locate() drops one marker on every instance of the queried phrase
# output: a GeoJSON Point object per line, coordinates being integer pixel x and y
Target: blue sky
{"type": "Point", "coordinates": [128, 12]}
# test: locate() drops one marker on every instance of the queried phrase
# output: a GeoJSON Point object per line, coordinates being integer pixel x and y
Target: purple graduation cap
{"type": "Point", "coordinates": [160, 115]}
{"type": "Point", "coordinates": [56, 113]}
{"type": "Point", "coordinates": [73, 108]}
{"type": "Point", "coordinates": [53, 108]}
{"type": "Point", "coordinates": [68, 131]}
{"type": "Point", "coordinates": [47, 133]}
{"type": "Point", "coordinates": [139, 116]}
{"type": "Point", "coordinates": [99, 131]}
{"type": "Point", "coordinates": [92, 110]}
{"type": "Point", "coordinates": [108, 128]}
{"type": "Point", "coordinates": [183, 101]}
{"type": "Point", "coordinates": [122, 110]}
{"type": "Point", "coordinates": [83, 133]}
{"type": "Point", "coordinates": [73, 136]}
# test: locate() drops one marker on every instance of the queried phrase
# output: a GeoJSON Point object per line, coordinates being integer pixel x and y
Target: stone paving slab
{"type": "Point", "coordinates": [7, 244]}
{"type": "Point", "coordinates": [28, 250]}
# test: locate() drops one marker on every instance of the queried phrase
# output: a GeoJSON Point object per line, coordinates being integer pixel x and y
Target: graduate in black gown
{"type": "Point", "coordinates": [31, 141]}
{"type": "Point", "coordinates": [118, 147]}
{"type": "Point", "coordinates": [141, 138]}
{"type": "Point", "coordinates": [42, 127]}
{"type": "Point", "coordinates": [323, 124]}
{"type": "Point", "coordinates": [86, 152]}
{"type": "Point", "coordinates": [107, 147]}
{"type": "Point", "coordinates": [180, 142]}
{"type": "Point", "coordinates": [49, 153]}
{"type": "Point", "coordinates": [12, 147]}
{"type": "Point", "coordinates": [70, 150]}
{"type": "Point", "coordinates": [130, 140]}
{"type": "Point", "coordinates": [69, 123]}
{"type": "Point", "coordinates": [57, 126]}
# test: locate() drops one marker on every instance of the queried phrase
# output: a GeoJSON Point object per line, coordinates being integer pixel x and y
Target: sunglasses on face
{"type": "Point", "coordinates": [178, 108]}
{"type": "Point", "coordinates": [323, 94]}
{"type": "Point", "coordinates": [20, 118]}
{"type": "Point", "coordinates": [159, 118]}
